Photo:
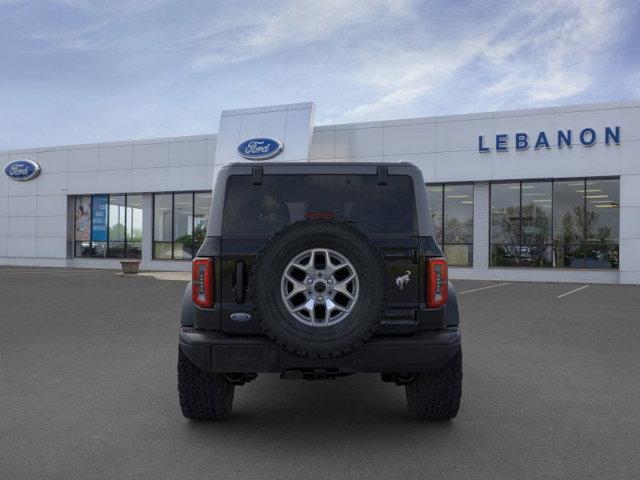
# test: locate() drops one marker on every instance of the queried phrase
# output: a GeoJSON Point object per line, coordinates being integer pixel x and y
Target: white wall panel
{"type": "Point", "coordinates": [297, 136]}
{"type": "Point", "coordinates": [51, 205]}
{"type": "Point", "coordinates": [4, 184]}
{"type": "Point", "coordinates": [463, 166]}
{"type": "Point", "coordinates": [83, 159]}
{"type": "Point", "coordinates": [22, 206]}
{"type": "Point", "coordinates": [630, 191]}
{"type": "Point", "coordinates": [630, 222]}
{"type": "Point", "coordinates": [228, 139]}
{"type": "Point", "coordinates": [188, 178]}
{"type": "Point", "coordinates": [22, 189]}
{"type": "Point", "coordinates": [51, 247]}
{"type": "Point", "coordinates": [211, 150]}
{"type": "Point", "coordinates": [463, 135]}
{"type": "Point", "coordinates": [251, 125]}
{"type": "Point", "coordinates": [84, 182]}
{"type": "Point", "coordinates": [358, 142]}
{"type": "Point", "coordinates": [52, 183]}
{"type": "Point", "coordinates": [522, 164]}
{"type": "Point", "coordinates": [322, 145]}
{"type": "Point", "coordinates": [151, 155]}
{"type": "Point", "coordinates": [188, 153]}
{"type": "Point", "coordinates": [117, 157]}
{"type": "Point", "coordinates": [630, 157]}
{"type": "Point", "coordinates": [406, 139]}
{"type": "Point", "coordinates": [150, 180]}
{"type": "Point", "coordinates": [630, 249]}
{"type": "Point", "coordinates": [52, 161]}
{"type": "Point", "coordinates": [115, 181]}
{"type": "Point", "coordinates": [273, 125]}
{"type": "Point", "coordinates": [52, 226]}
{"type": "Point", "coordinates": [22, 227]}
{"type": "Point", "coordinates": [581, 161]}
{"type": "Point", "coordinates": [630, 124]}
{"type": "Point", "coordinates": [4, 206]}
{"type": "Point", "coordinates": [21, 246]}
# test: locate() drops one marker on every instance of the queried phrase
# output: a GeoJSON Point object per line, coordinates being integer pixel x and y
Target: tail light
{"type": "Point", "coordinates": [202, 282]}
{"type": "Point", "coordinates": [437, 282]}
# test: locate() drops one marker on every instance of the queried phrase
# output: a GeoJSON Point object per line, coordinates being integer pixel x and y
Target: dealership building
{"type": "Point", "coordinates": [547, 194]}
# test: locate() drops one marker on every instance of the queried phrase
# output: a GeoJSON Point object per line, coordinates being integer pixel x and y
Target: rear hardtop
{"type": "Point", "coordinates": [257, 171]}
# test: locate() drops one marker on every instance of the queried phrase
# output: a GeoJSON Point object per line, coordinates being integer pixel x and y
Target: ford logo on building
{"type": "Point", "coordinates": [22, 170]}
{"type": "Point", "coordinates": [260, 148]}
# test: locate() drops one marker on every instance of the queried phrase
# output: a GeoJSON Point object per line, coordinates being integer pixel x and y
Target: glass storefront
{"type": "Point", "coordinates": [451, 208]}
{"type": "Point", "coordinates": [108, 226]}
{"type": "Point", "coordinates": [179, 224]}
{"type": "Point", "coordinates": [561, 223]}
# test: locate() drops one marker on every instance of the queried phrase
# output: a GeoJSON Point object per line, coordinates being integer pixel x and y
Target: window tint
{"type": "Point", "coordinates": [505, 213]}
{"type": "Point", "coordinates": [436, 205]}
{"type": "Point", "coordinates": [179, 223]}
{"type": "Point", "coordinates": [564, 223]}
{"type": "Point", "coordinates": [182, 225]}
{"type": "Point", "coordinates": [108, 226]}
{"type": "Point", "coordinates": [535, 250]}
{"type": "Point", "coordinates": [134, 226]}
{"type": "Point", "coordinates": [284, 199]}
{"type": "Point", "coordinates": [451, 206]}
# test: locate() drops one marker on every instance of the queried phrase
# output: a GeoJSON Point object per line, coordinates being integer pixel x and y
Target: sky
{"type": "Point", "coordinates": [80, 71]}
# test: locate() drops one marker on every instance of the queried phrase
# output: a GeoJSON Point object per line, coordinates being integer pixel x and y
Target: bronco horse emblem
{"type": "Point", "coordinates": [402, 280]}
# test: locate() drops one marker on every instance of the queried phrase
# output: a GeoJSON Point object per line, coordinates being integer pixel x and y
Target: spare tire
{"type": "Point", "coordinates": [318, 288]}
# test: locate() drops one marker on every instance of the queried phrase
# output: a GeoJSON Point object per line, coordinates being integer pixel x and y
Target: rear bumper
{"type": "Point", "coordinates": [218, 352]}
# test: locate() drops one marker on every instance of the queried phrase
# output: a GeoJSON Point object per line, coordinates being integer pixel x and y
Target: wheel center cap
{"type": "Point", "coordinates": [320, 287]}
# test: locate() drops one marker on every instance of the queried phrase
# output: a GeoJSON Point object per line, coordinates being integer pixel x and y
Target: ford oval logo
{"type": "Point", "coordinates": [260, 148]}
{"type": "Point", "coordinates": [22, 170]}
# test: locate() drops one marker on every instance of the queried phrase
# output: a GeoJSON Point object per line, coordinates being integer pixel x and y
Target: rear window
{"type": "Point", "coordinates": [284, 199]}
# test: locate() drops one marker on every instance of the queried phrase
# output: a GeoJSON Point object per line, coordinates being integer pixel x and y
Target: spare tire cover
{"type": "Point", "coordinates": [318, 288]}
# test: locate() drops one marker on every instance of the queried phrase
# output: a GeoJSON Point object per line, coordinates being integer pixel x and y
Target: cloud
{"type": "Point", "coordinates": [260, 32]}
{"type": "Point", "coordinates": [542, 53]}
{"type": "Point", "coordinates": [555, 63]}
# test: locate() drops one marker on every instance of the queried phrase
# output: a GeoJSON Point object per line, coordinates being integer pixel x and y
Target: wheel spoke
{"type": "Point", "coordinates": [342, 287]}
{"type": "Point", "coordinates": [308, 268]}
{"type": "Point", "coordinates": [311, 275]}
{"type": "Point", "coordinates": [331, 268]}
{"type": "Point", "coordinates": [297, 288]}
{"type": "Point", "coordinates": [331, 306]}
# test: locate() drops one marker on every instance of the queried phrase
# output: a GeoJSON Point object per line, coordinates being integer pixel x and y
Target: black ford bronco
{"type": "Point", "coordinates": [315, 271]}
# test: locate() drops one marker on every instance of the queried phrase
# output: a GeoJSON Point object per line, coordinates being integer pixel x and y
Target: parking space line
{"type": "Point", "coordinates": [573, 291]}
{"type": "Point", "coordinates": [484, 288]}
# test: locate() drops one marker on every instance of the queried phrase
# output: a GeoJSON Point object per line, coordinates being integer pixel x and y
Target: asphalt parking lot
{"type": "Point", "coordinates": [551, 389]}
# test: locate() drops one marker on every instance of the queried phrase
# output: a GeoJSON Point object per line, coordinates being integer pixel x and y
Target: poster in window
{"type": "Point", "coordinates": [99, 218]}
{"type": "Point", "coordinates": [83, 219]}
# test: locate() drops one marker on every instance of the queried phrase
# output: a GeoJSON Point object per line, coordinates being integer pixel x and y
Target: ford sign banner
{"type": "Point", "coordinates": [22, 170]}
{"type": "Point", "coordinates": [260, 148]}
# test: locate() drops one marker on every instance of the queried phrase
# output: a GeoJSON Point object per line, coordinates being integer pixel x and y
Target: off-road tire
{"type": "Point", "coordinates": [203, 395]}
{"type": "Point", "coordinates": [291, 334]}
{"type": "Point", "coordinates": [436, 395]}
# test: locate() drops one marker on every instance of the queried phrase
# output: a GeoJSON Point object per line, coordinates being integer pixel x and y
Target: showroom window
{"type": "Point", "coordinates": [179, 224]}
{"type": "Point", "coordinates": [451, 206]}
{"type": "Point", "coordinates": [108, 226]}
{"type": "Point", "coordinates": [563, 224]}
